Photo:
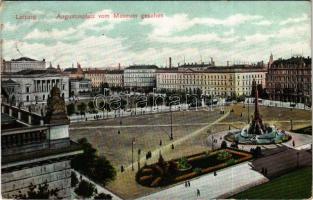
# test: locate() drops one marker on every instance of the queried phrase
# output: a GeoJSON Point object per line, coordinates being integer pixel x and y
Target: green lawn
{"type": "Point", "coordinates": [294, 185]}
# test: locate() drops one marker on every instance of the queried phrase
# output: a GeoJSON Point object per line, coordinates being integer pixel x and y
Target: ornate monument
{"type": "Point", "coordinates": [56, 112]}
{"type": "Point", "coordinates": [256, 132]}
{"type": "Point", "coordinates": [256, 126]}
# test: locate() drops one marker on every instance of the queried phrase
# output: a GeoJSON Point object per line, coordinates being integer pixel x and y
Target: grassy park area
{"type": "Point", "coordinates": [294, 185]}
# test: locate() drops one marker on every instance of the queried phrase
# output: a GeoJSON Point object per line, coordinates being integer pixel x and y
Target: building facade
{"type": "Point", "coordinates": [96, 76]}
{"type": "Point", "coordinates": [290, 80]}
{"type": "Point", "coordinates": [30, 87]}
{"type": "Point", "coordinates": [218, 81]}
{"type": "Point", "coordinates": [140, 76]}
{"type": "Point", "coordinates": [36, 149]}
{"type": "Point", "coordinates": [114, 78]}
{"type": "Point", "coordinates": [80, 87]}
{"type": "Point", "coordinates": [23, 63]}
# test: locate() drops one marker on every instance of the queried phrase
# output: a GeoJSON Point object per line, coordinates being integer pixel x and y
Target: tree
{"type": "Point", "coordinates": [103, 196]}
{"type": "Point", "coordinates": [38, 192]}
{"type": "Point", "coordinates": [74, 179]}
{"type": "Point", "coordinates": [91, 106]}
{"type": "Point", "coordinates": [87, 157]}
{"type": "Point", "coordinates": [70, 109]}
{"type": "Point", "coordinates": [103, 170]}
{"type": "Point", "coordinates": [82, 107]}
{"type": "Point", "coordinates": [86, 189]}
{"type": "Point", "coordinates": [96, 168]}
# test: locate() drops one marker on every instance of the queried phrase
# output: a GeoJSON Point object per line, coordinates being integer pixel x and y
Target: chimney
{"type": "Point", "coordinates": [227, 63]}
{"type": "Point", "coordinates": [170, 62]}
{"type": "Point", "coordinates": [119, 66]}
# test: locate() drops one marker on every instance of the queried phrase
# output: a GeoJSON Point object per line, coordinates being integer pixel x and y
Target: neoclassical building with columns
{"type": "Point", "coordinates": [30, 87]}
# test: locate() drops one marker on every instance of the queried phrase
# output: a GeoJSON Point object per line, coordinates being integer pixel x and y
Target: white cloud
{"type": "Point", "coordinates": [180, 22]}
{"type": "Point", "coordinates": [232, 20]}
{"type": "Point", "coordinates": [303, 17]}
{"type": "Point", "coordinates": [168, 25]}
{"type": "Point", "coordinates": [10, 27]}
{"type": "Point", "coordinates": [208, 37]}
{"type": "Point", "coordinates": [54, 34]}
{"type": "Point", "coordinates": [75, 32]}
{"type": "Point", "coordinates": [263, 23]}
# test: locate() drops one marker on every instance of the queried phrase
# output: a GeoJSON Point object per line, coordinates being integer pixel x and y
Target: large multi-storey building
{"type": "Point", "coordinates": [97, 77]}
{"type": "Point", "coordinates": [114, 78]}
{"type": "Point", "coordinates": [29, 87]}
{"type": "Point", "coordinates": [290, 80]}
{"type": "Point", "coordinates": [140, 76]}
{"type": "Point", "coordinates": [221, 81]}
{"type": "Point", "coordinates": [36, 149]}
{"type": "Point", "coordinates": [23, 63]}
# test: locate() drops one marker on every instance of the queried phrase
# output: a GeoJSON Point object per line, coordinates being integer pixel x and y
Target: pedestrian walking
{"type": "Point", "coordinates": [293, 143]}
{"type": "Point", "coordinates": [198, 193]}
{"type": "Point", "coordinates": [188, 183]}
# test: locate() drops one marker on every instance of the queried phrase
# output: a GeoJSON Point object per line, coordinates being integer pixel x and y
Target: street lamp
{"type": "Point", "coordinates": [133, 142]}
{"type": "Point", "coordinates": [171, 137]}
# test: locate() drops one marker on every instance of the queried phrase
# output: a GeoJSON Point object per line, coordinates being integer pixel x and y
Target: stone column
{"type": "Point", "coordinates": [19, 115]}
{"type": "Point", "coordinates": [10, 112]}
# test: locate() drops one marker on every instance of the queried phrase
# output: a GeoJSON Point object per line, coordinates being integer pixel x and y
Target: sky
{"type": "Point", "coordinates": [239, 32]}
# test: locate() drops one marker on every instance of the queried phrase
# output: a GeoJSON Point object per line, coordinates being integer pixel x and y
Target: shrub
{"type": "Point", "coordinates": [86, 189]}
{"type": "Point", "coordinates": [70, 109]}
{"type": "Point", "coordinates": [38, 192]}
{"type": "Point", "coordinates": [103, 196]}
{"type": "Point", "coordinates": [197, 170]}
{"type": "Point", "coordinates": [183, 163]}
{"type": "Point", "coordinates": [74, 179]}
{"type": "Point", "coordinates": [231, 161]}
{"type": "Point", "coordinates": [223, 155]}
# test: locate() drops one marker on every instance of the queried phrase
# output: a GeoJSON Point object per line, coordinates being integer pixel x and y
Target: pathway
{"type": "Point", "coordinates": [163, 149]}
{"type": "Point", "coordinates": [228, 182]}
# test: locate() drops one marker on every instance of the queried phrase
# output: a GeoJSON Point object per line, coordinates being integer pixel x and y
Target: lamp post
{"type": "Point", "coordinates": [171, 137]}
{"type": "Point", "coordinates": [248, 111]}
{"type": "Point", "coordinates": [139, 151]}
{"type": "Point", "coordinates": [133, 142]}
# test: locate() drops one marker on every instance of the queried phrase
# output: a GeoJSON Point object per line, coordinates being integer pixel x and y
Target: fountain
{"type": "Point", "coordinates": [256, 132]}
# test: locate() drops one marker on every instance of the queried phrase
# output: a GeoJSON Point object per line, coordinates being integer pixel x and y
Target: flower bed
{"type": "Point", "coordinates": [168, 172]}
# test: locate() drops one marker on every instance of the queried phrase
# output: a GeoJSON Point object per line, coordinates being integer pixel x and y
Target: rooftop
{"type": "Point", "coordinates": [142, 67]}
{"type": "Point", "coordinates": [294, 60]}
{"type": "Point", "coordinates": [24, 59]}
{"type": "Point", "coordinates": [41, 71]}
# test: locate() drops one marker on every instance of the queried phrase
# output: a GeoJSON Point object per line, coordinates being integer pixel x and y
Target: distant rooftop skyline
{"type": "Point", "coordinates": [187, 31]}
